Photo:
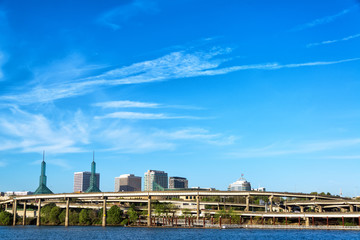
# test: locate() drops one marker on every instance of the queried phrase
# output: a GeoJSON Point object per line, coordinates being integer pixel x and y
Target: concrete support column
{"type": "Point", "coordinates": [24, 215]}
{"type": "Point", "coordinates": [149, 212]}
{"type": "Point", "coordinates": [351, 208]}
{"type": "Point", "coordinates": [14, 211]}
{"type": "Point", "coordinates": [67, 212]}
{"type": "Point", "coordinates": [247, 208]}
{"type": "Point", "coordinates": [38, 213]}
{"type": "Point", "coordinates": [289, 209]}
{"type": "Point", "coordinates": [301, 209]}
{"type": "Point", "coordinates": [320, 208]}
{"type": "Point", "coordinates": [197, 208]}
{"type": "Point", "coordinates": [271, 202]}
{"type": "Point", "coordinates": [104, 213]}
{"type": "Point", "coordinates": [307, 221]}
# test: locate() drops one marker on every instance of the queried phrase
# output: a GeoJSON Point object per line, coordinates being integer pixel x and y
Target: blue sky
{"type": "Point", "coordinates": [206, 90]}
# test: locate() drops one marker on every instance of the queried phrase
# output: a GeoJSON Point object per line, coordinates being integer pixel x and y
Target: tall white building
{"type": "Point", "coordinates": [155, 180]}
{"type": "Point", "coordinates": [127, 182]}
{"type": "Point", "coordinates": [82, 181]}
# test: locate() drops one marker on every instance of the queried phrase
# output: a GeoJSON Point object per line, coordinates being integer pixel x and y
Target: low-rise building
{"type": "Point", "coordinates": [18, 193]}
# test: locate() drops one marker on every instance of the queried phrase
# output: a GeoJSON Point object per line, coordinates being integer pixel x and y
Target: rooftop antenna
{"type": "Point", "coordinates": [43, 155]}
{"type": "Point", "coordinates": [93, 156]}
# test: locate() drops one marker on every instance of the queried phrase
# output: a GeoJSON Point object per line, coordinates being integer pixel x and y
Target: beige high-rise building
{"type": "Point", "coordinates": [127, 182]}
{"type": "Point", "coordinates": [155, 180]}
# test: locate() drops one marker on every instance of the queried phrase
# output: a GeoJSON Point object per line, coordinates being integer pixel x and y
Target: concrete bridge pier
{"type": "Point", "coordinates": [271, 202]}
{"type": "Point", "coordinates": [149, 212]}
{"type": "Point", "coordinates": [301, 209]}
{"type": "Point", "coordinates": [320, 209]}
{"type": "Point", "coordinates": [247, 208]}
{"type": "Point", "coordinates": [14, 211]}
{"type": "Point", "coordinates": [104, 213]}
{"type": "Point", "coordinates": [351, 208]}
{"type": "Point", "coordinates": [67, 212]}
{"type": "Point", "coordinates": [24, 215]}
{"type": "Point", "coordinates": [197, 208]}
{"type": "Point", "coordinates": [38, 213]}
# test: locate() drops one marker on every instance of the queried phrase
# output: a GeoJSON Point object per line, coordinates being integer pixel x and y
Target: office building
{"type": "Point", "coordinates": [155, 180]}
{"type": "Point", "coordinates": [178, 182]}
{"type": "Point", "coordinates": [127, 182]}
{"type": "Point", "coordinates": [82, 181]}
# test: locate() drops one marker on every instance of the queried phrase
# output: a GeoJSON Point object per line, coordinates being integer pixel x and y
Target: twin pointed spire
{"type": "Point", "coordinates": [43, 189]}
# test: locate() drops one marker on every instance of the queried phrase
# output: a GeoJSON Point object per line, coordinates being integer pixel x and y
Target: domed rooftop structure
{"type": "Point", "coordinates": [240, 185]}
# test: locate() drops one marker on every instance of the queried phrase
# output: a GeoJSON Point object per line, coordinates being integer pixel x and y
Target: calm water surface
{"type": "Point", "coordinates": [38, 233]}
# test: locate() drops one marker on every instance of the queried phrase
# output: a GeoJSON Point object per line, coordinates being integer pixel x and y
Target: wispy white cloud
{"type": "Point", "coordinates": [172, 66]}
{"type": "Point", "coordinates": [142, 116]}
{"type": "Point", "coordinates": [288, 148]}
{"type": "Point", "coordinates": [133, 140]}
{"type": "Point", "coordinates": [333, 41]}
{"type": "Point", "coordinates": [199, 134]}
{"type": "Point", "coordinates": [34, 133]}
{"type": "Point", "coordinates": [117, 17]}
{"type": "Point", "coordinates": [324, 20]}
{"type": "Point", "coordinates": [135, 104]}
{"type": "Point", "coordinates": [126, 104]}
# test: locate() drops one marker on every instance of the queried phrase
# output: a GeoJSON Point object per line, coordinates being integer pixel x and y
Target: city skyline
{"type": "Point", "coordinates": [207, 90]}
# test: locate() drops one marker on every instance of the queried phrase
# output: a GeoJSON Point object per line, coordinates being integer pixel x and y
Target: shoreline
{"type": "Point", "coordinates": [223, 227]}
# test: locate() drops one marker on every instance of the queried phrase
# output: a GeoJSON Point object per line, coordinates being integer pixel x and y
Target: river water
{"type": "Point", "coordinates": [89, 233]}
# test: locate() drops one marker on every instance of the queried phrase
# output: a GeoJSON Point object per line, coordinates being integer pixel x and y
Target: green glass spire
{"type": "Point", "coordinates": [43, 189]}
{"type": "Point", "coordinates": [93, 187]}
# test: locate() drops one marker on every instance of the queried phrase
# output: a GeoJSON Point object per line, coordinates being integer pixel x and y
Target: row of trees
{"type": "Point", "coordinates": [53, 215]}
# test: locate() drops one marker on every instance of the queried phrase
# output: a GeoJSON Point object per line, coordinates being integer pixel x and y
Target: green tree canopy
{"type": "Point", "coordinates": [5, 218]}
{"type": "Point", "coordinates": [114, 215]}
{"type": "Point", "coordinates": [84, 217]}
{"type": "Point", "coordinates": [54, 215]}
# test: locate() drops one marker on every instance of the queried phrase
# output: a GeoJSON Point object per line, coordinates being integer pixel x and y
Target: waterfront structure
{"type": "Point", "coordinates": [155, 180]}
{"type": "Point", "coordinates": [43, 189]}
{"type": "Point", "coordinates": [240, 185]}
{"type": "Point", "coordinates": [127, 182]}
{"type": "Point", "coordinates": [178, 182]}
{"type": "Point", "coordinates": [82, 181]}
{"type": "Point", "coordinates": [94, 181]}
